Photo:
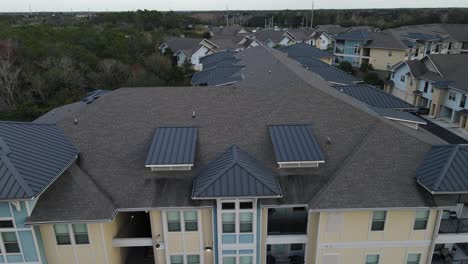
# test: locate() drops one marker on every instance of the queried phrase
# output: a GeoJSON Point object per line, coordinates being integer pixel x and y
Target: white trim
{"type": "Point", "coordinates": [376, 244]}
{"type": "Point", "coordinates": [169, 167]}
{"type": "Point", "coordinates": [286, 239]}
{"type": "Point", "coordinates": [300, 164]}
{"type": "Point", "coordinates": [106, 257]}
{"type": "Point", "coordinates": [405, 120]}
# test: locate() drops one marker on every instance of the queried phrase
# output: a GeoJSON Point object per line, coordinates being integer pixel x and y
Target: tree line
{"type": "Point", "coordinates": [57, 61]}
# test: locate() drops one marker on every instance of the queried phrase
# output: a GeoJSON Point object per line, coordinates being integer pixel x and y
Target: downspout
{"type": "Point", "coordinates": [434, 236]}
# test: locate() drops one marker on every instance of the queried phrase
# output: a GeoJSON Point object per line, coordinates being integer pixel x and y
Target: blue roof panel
{"type": "Point", "coordinates": [172, 146]}
{"type": "Point", "coordinates": [32, 155]}
{"type": "Point", "coordinates": [295, 143]}
{"type": "Point", "coordinates": [235, 174]}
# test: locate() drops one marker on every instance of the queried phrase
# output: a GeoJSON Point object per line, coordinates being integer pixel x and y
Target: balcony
{"type": "Point", "coordinates": [135, 231]}
{"type": "Point", "coordinates": [453, 226]}
{"type": "Point", "coordinates": [286, 254]}
{"type": "Point", "coordinates": [287, 221]}
{"type": "Point", "coordinates": [450, 254]}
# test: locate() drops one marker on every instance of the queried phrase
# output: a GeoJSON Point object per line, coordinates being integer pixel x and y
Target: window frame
{"type": "Point", "coordinates": [373, 254]}
{"type": "Point", "coordinates": [3, 243]}
{"type": "Point", "coordinates": [384, 221]}
{"type": "Point", "coordinates": [426, 220]}
{"type": "Point", "coordinates": [182, 222]}
{"type": "Point", "coordinates": [71, 234]}
{"type": "Point", "coordinates": [413, 253]}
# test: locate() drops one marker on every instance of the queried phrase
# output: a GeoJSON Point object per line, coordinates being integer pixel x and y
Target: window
{"type": "Point", "coordinates": [62, 234]}
{"type": "Point", "coordinates": [191, 220]}
{"type": "Point", "coordinates": [463, 101]}
{"type": "Point", "coordinates": [10, 241]}
{"type": "Point", "coordinates": [229, 206]}
{"type": "Point", "coordinates": [193, 259]}
{"type": "Point", "coordinates": [372, 259]}
{"type": "Point", "coordinates": [388, 66]}
{"type": "Point", "coordinates": [246, 220]}
{"type": "Point", "coordinates": [393, 75]}
{"type": "Point", "coordinates": [420, 221]}
{"type": "Point", "coordinates": [378, 220]}
{"type": "Point", "coordinates": [402, 78]}
{"type": "Point", "coordinates": [437, 48]}
{"type": "Point", "coordinates": [245, 205]}
{"type": "Point", "coordinates": [452, 96]}
{"type": "Point", "coordinates": [177, 259]}
{"type": "Point", "coordinates": [390, 53]}
{"type": "Point", "coordinates": [426, 86]}
{"type": "Point", "coordinates": [229, 260]}
{"type": "Point", "coordinates": [411, 81]}
{"type": "Point", "coordinates": [413, 258]}
{"type": "Point", "coordinates": [450, 46]}
{"type": "Point", "coordinates": [229, 222]}
{"type": "Point", "coordinates": [6, 224]}
{"type": "Point", "coordinates": [245, 260]}
{"type": "Point", "coordinates": [296, 247]}
{"type": "Point", "coordinates": [173, 222]}
{"type": "Point", "coordinates": [81, 233]}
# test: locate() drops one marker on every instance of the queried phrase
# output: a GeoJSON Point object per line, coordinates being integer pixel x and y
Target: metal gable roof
{"type": "Point", "coordinates": [217, 56]}
{"type": "Point", "coordinates": [398, 115]}
{"type": "Point", "coordinates": [295, 143]}
{"type": "Point", "coordinates": [333, 74]}
{"type": "Point", "coordinates": [373, 96]}
{"type": "Point", "coordinates": [31, 157]}
{"type": "Point", "coordinates": [235, 174]}
{"type": "Point", "coordinates": [172, 146]}
{"type": "Point", "coordinates": [218, 76]}
{"type": "Point", "coordinates": [445, 169]}
{"type": "Point", "coordinates": [304, 50]}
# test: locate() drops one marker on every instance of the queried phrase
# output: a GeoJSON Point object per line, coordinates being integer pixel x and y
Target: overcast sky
{"type": "Point", "coordinates": [165, 5]}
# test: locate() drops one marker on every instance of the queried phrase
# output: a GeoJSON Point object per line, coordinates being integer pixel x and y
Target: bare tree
{"type": "Point", "coordinates": [9, 74]}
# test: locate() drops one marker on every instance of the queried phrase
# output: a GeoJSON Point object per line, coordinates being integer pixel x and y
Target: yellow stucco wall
{"type": "Point", "coordinates": [354, 239]}
{"type": "Point", "coordinates": [379, 58]}
{"type": "Point", "coordinates": [328, 60]}
{"type": "Point", "coordinates": [207, 227]}
{"type": "Point", "coordinates": [99, 247]}
{"type": "Point", "coordinates": [312, 232]}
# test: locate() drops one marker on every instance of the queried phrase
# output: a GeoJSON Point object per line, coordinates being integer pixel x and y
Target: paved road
{"type": "Point", "coordinates": [443, 133]}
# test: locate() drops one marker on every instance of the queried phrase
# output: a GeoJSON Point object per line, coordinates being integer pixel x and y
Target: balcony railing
{"type": "Point", "coordinates": [453, 226]}
{"type": "Point", "coordinates": [464, 261]}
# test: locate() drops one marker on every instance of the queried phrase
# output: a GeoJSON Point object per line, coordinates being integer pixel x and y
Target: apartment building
{"type": "Point", "coordinates": [436, 82]}
{"type": "Point", "coordinates": [278, 168]}
{"type": "Point", "coordinates": [386, 48]}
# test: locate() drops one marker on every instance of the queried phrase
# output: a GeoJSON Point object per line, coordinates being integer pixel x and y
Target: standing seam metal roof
{"type": "Point", "coordinates": [172, 145]}
{"type": "Point", "coordinates": [304, 50]}
{"type": "Point", "coordinates": [218, 75]}
{"type": "Point", "coordinates": [235, 174]}
{"type": "Point", "coordinates": [373, 96]}
{"type": "Point", "coordinates": [445, 169]}
{"type": "Point", "coordinates": [31, 156]}
{"type": "Point", "coordinates": [295, 143]}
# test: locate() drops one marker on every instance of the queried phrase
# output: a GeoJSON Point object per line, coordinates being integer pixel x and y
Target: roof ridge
{"type": "Point", "coordinates": [26, 123]}
{"type": "Point", "coordinates": [447, 166]}
{"type": "Point", "coordinates": [255, 176]}
{"type": "Point", "coordinates": [19, 178]}
{"type": "Point", "coordinates": [219, 173]}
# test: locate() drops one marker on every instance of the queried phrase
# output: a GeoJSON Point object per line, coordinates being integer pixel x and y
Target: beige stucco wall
{"type": "Point", "coordinates": [355, 239]}
{"type": "Point", "coordinates": [100, 246]}
{"type": "Point", "coordinates": [207, 227]}
{"type": "Point", "coordinates": [327, 60]}
{"type": "Point", "coordinates": [312, 232]}
{"type": "Point", "coordinates": [379, 58]}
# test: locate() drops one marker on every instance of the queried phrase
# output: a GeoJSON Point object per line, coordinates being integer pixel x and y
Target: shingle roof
{"type": "Point", "coordinates": [172, 145]}
{"type": "Point", "coordinates": [186, 45]}
{"type": "Point", "coordinates": [332, 29]}
{"type": "Point", "coordinates": [31, 157]}
{"type": "Point", "coordinates": [399, 115]}
{"type": "Point", "coordinates": [272, 35]}
{"type": "Point", "coordinates": [453, 69]}
{"type": "Point", "coordinates": [374, 96]}
{"type": "Point", "coordinates": [218, 76]}
{"type": "Point", "coordinates": [235, 174]}
{"type": "Point", "coordinates": [229, 61]}
{"type": "Point", "coordinates": [333, 74]}
{"type": "Point", "coordinates": [295, 143]}
{"type": "Point", "coordinates": [445, 169]}
{"type": "Point", "coordinates": [358, 35]}
{"type": "Point", "coordinates": [217, 56]}
{"type": "Point", "coordinates": [304, 50]}
{"type": "Point", "coordinates": [364, 147]}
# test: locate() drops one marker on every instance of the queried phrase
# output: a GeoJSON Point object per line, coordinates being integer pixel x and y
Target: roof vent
{"type": "Point", "coordinates": [329, 141]}
{"type": "Point", "coordinates": [75, 121]}
{"type": "Point", "coordinates": [194, 114]}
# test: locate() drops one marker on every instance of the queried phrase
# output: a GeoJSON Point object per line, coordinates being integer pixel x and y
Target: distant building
{"type": "Point", "coordinates": [188, 50]}
{"type": "Point", "coordinates": [438, 82]}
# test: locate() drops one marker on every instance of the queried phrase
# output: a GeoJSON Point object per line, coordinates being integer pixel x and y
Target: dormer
{"type": "Point", "coordinates": [172, 149]}
{"type": "Point", "coordinates": [296, 146]}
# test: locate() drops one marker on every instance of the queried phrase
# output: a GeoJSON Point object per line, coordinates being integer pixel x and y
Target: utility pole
{"type": "Point", "coordinates": [312, 16]}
